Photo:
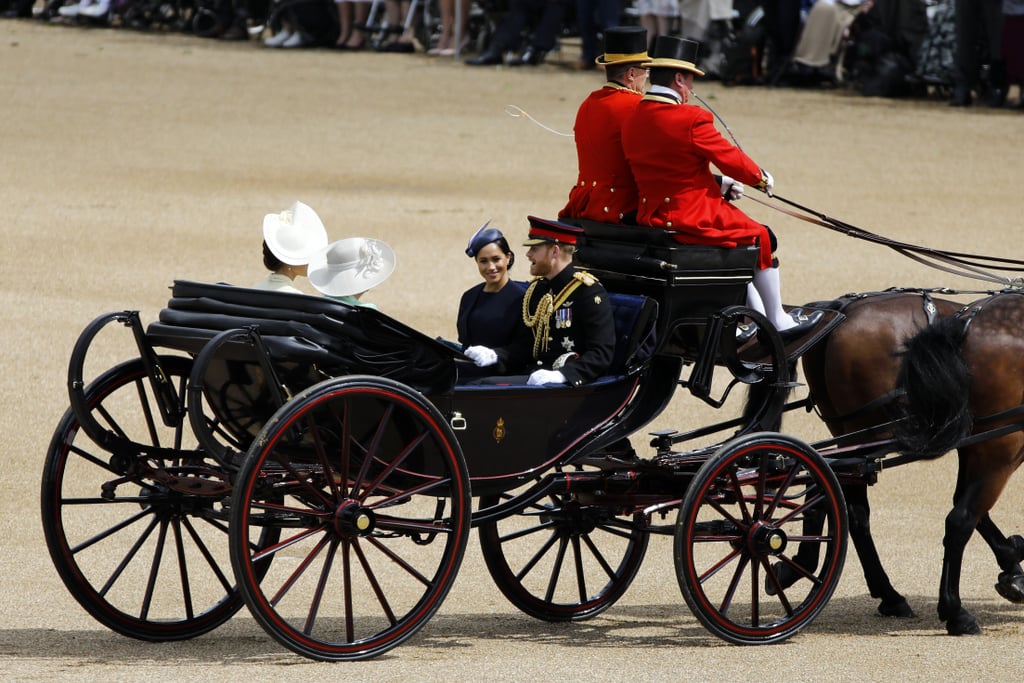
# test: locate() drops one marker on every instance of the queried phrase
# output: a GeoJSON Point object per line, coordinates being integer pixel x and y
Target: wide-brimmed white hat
{"type": "Point", "coordinates": [351, 266]}
{"type": "Point", "coordinates": [295, 234]}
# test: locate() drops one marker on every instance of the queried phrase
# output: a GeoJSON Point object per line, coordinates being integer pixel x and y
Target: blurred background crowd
{"type": "Point", "coordinates": [970, 52]}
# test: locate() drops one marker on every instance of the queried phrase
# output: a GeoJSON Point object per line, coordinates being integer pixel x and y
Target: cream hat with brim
{"type": "Point", "coordinates": [295, 234]}
{"type": "Point", "coordinates": [351, 266]}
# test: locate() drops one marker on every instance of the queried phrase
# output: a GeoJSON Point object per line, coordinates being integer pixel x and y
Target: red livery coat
{"type": "Point", "coordinates": [605, 189]}
{"type": "Point", "coordinates": [670, 148]}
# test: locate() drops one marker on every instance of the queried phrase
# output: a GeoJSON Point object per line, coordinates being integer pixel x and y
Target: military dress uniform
{"type": "Point", "coordinates": [567, 326]}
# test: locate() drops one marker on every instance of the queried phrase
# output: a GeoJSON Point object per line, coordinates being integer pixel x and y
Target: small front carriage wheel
{"type": "Point", "coordinates": [744, 513]}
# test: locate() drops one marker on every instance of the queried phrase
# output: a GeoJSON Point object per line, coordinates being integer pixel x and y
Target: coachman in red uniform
{"type": "Point", "coordinates": [605, 190]}
{"type": "Point", "coordinates": [670, 147]}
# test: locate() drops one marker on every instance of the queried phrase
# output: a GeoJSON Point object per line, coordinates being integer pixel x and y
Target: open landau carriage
{"type": "Point", "coordinates": [319, 464]}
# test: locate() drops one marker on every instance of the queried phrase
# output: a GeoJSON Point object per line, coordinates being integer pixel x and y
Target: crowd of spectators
{"type": "Point", "coordinates": [969, 51]}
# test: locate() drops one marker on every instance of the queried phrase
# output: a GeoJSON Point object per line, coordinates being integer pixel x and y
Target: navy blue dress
{"type": "Point", "coordinates": [490, 319]}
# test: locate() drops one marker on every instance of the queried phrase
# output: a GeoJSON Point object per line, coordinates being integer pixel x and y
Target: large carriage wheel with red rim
{"type": "Point", "coordinates": [371, 500]}
{"type": "Point", "coordinates": [744, 513]}
{"type": "Point", "coordinates": [560, 559]}
{"type": "Point", "coordinates": [136, 527]}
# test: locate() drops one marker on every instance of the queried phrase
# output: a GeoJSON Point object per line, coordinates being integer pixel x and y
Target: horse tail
{"type": "Point", "coordinates": [935, 380]}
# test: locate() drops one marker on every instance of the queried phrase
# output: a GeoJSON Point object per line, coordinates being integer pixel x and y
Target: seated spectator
{"type": "Point", "coordinates": [1013, 46]}
{"type": "Point", "coordinates": [542, 18]}
{"type": "Point", "coordinates": [290, 239]}
{"type": "Point", "coordinates": [347, 269]}
{"type": "Point", "coordinates": [446, 41]}
{"type": "Point", "coordinates": [567, 335]}
{"type": "Point", "coordinates": [352, 18]}
{"type": "Point", "coordinates": [401, 38]}
{"type": "Point", "coordinates": [18, 9]}
{"type": "Point", "coordinates": [593, 17]}
{"type": "Point", "coordinates": [657, 16]}
{"type": "Point", "coordinates": [306, 24]}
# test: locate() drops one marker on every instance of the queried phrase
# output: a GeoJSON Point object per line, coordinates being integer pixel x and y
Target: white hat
{"type": "Point", "coordinates": [294, 234]}
{"type": "Point", "coordinates": [351, 266]}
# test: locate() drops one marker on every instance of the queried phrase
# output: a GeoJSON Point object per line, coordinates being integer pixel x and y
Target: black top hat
{"type": "Point", "coordinates": [672, 52]}
{"type": "Point", "coordinates": [624, 45]}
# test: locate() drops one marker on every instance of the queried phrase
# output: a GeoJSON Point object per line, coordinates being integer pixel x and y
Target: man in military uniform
{"type": "Point", "coordinates": [605, 190]}
{"type": "Point", "coordinates": [568, 334]}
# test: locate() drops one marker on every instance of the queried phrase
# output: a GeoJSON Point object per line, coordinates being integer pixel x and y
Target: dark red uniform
{"type": "Point", "coordinates": [670, 147]}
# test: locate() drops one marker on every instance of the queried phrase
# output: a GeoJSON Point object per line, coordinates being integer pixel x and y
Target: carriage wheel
{"type": "Point", "coordinates": [560, 560]}
{"type": "Point", "coordinates": [140, 555]}
{"type": "Point", "coordinates": [373, 516]}
{"type": "Point", "coordinates": [744, 511]}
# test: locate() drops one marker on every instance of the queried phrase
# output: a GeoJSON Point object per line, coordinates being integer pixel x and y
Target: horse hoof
{"type": "Point", "coordinates": [1011, 586]}
{"type": "Point", "coordinates": [785, 576]}
{"type": "Point", "coordinates": [896, 608]}
{"type": "Point", "coordinates": [963, 625]}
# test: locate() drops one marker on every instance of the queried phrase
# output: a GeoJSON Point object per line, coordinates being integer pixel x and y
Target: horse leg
{"type": "Point", "coordinates": [959, 527]}
{"type": "Point", "coordinates": [892, 603]}
{"type": "Point", "coordinates": [1008, 552]}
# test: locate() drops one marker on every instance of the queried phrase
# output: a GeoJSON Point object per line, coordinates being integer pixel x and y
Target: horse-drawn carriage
{"type": "Point", "coordinates": [321, 465]}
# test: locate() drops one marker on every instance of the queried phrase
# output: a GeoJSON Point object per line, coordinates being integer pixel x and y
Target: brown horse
{"type": "Point", "coordinates": [852, 378]}
{"type": "Point", "coordinates": [964, 375]}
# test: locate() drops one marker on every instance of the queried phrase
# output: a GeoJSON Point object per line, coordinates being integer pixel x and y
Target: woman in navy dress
{"type": "Point", "coordinates": [491, 313]}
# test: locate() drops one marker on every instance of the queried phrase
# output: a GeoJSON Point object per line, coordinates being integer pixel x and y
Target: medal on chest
{"type": "Point", "coordinates": [563, 317]}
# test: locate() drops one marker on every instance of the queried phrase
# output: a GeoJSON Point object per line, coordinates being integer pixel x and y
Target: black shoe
{"type": "Point", "coordinates": [961, 97]}
{"type": "Point", "coordinates": [745, 332]}
{"type": "Point", "coordinates": [406, 48]}
{"type": "Point", "coordinates": [531, 57]}
{"type": "Point", "coordinates": [805, 322]}
{"type": "Point", "coordinates": [997, 97]}
{"type": "Point", "coordinates": [488, 58]}
{"type": "Point", "coordinates": [235, 32]}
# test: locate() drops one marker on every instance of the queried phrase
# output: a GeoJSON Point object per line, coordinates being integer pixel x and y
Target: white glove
{"type": "Point", "coordinates": [767, 182]}
{"type": "Point", "coordinates": [481, 355]}
{"type": "Point", "coordinates": [731, 189]}
{"type": "Point", "coordinates": [545, 377]}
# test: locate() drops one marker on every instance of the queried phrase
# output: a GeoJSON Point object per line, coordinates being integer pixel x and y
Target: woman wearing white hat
{"type": "Point", "coordinates": [347, 269]}
{"type": "Point", "coordinates": [290, 238]}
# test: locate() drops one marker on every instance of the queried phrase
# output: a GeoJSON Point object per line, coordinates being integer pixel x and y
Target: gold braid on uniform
{"type": "Point", "coordinates": [540, 321]}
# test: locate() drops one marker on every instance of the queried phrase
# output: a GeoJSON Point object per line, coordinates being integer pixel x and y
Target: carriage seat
{"type": "Point", "coordinates": [634, 317]}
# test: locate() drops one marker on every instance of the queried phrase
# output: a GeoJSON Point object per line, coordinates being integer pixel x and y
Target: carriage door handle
{"type": "Point", "coordinates": [457, 422]}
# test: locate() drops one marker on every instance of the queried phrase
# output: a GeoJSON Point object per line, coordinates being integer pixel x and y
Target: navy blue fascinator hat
{"type": "Point", "coordinates": [487, 235]}
{"type": "Point", "coordinates": [481, 238]}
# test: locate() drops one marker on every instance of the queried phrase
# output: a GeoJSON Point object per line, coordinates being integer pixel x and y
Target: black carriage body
{"type": "Point", "coordinates": [507, 434]}
{"type": "Point", "coordinates": [689, 282]}
{"type": "Point", "coordinates": [663, 294]}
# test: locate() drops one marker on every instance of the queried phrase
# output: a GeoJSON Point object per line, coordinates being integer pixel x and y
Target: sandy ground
{"type": "Point", "coordinates": [129, 160]}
